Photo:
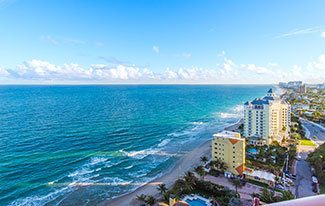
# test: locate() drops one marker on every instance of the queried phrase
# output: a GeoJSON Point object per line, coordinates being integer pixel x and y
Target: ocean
{"type": "Point", "coordinates": [80, 145]}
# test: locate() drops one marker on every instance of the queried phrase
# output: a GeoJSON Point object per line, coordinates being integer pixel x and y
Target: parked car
{"type": "Point", "coordinates": [278, 186]}
{"type": "Point", "coordinates": [315, 189]}
{"type": "Point", "coordinates": [291, 176]}
{"type": "Point", "coordinates": [314, 179]}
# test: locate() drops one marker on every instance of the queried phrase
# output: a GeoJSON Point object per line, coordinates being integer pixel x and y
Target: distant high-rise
{"type": "Point", "coordinates": [229, 148]}
{"type": "Point", "coordinates": [302, 89]}
{"type": "Point", "coordinates": [266, 117]}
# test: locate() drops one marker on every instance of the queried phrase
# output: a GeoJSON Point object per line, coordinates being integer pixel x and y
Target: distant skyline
{"type": "Point", "coordinates": [161, 41]}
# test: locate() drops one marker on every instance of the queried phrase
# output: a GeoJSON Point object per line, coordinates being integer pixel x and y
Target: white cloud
{"type": "Point", "coordinates": [228, 71]}
{"type": "Point", "coordinates": [301, 31]}
{"type": "Point", "coordinates": [257, 69]}
{"type": "Point", "coordinates": [156, 49]}
{"type": "Point", "coordinates": [323, 34]}
{"type": "Point", "coordinates": [3, 72]}
{"type": "Point", "coordinates": [221, 54]}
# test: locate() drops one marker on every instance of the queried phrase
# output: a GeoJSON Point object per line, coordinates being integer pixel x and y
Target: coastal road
{"type": "Point", "coordinates": [312, 129]}
{"type": "Point", "coordinates": [303, 182]}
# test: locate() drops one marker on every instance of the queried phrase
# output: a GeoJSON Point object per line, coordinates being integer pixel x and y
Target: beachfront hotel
{"type": "Point", "coordinates": [229, 147]}
{"type": "Point", "coordinates": [266, 119]}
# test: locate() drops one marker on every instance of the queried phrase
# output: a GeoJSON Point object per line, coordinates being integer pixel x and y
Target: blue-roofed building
{"type": "Point", "coordinates": [266, 119]}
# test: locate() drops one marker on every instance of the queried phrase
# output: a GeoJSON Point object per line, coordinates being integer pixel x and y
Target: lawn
{"type": "Point", "coordinates": [322, 188]}
{"type": "Point", "coordinates": [307, 142]}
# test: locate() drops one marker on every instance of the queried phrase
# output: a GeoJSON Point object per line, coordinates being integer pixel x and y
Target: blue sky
{"type": "Point", "coordinates": [161, 41]}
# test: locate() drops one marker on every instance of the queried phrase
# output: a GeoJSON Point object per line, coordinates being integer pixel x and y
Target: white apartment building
{"type": "Point", "coordinates": [266, 117]}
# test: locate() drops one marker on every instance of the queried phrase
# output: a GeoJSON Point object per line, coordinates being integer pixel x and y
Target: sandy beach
{"type": "Point", "coordinates": [184, 164]}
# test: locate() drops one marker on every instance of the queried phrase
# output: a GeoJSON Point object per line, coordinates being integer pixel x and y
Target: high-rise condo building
{"type": "Point", "coordinates": [229, 148]}
{"type": "Point", "coordinates": [266, 119]}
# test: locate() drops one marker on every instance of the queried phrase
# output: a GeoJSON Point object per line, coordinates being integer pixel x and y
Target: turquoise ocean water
{"type": "Point", "coordinates": [79, 145]}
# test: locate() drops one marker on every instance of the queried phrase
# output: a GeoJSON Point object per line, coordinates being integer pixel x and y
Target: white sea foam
{"type": "Point", "coordinates": [81, 172]}
{"type": "Point", "coordinates": [128, 167]}
{"type": "Point", "coordinates": [164, 142]}
{"type": "Point", "coordinates": [142, 153]}
{"type": "Point", "coordinates": [41, 200]}
{"type": "Point", "coordinates": [97, 160]}
{"type": "Point", "coordinates": [146, 152]}
{"type": "Point", "coordinates": [234, 113]}
{"type": "Point", "coordinates": [139, 173]}
{"type": "Point", "coordinates": [197, 123]}
{"type": "Point", "coordinates": [115, 181]}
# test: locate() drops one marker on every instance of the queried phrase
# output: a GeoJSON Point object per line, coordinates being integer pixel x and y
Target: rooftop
{"type": "Point", "coordinates": [265, 100]}
{"type": "Point", "coordinates": [260, 174]}
{"type": "Point", "coordinates": [228, 134]}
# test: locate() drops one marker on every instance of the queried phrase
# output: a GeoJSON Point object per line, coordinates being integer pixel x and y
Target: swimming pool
{"type": "Point", "coordinates": [253, 151]}
{"type": "Point", "coordinates": [197, 201]}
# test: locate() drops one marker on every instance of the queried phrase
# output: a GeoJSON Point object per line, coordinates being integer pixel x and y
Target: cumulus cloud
{"type": "Point", "coordinates": [3, 72]}
{"type": "Point", "coordinates": [257, 69]}
{"type": "Point", "coordinates": [226, 72]}
{"type": "Point", "coordinates": [156, 49]}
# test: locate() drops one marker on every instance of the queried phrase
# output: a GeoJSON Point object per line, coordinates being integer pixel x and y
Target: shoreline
{"type": "Point", "coordinates": [186, 163]}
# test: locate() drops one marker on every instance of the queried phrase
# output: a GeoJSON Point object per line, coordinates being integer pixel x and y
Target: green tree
{"type": "Point", "coordinates": [317, 160]}
{"type": "Point", "coordinates": [296, 136]}
{"type": "Point", "coordinates": [141, 198]}
{"type": "Point", "coordinates": [267, 196]}
{"type": "Point", "coordinates": [237, 184]}
{"type": "Point", "coordinates": [150, 200]}
{"type": "Point", "coordinates": [204, 159]}
{"type": "Point", "coordinates": [287, 195]}
{"type": "Point", "coordinates": [284, 128]}
{"type": "Point", "coordinates": [162, 189]}
{"type": "Point", "coordinates": [219, 165]}
{"type": "Point", "coordinates": [200, 171]}
{"type": "Point", "coordinates": [190, 178]}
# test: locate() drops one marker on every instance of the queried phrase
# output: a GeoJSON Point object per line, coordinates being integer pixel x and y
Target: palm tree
{"type": "Point", "coordinates": [200, 170]}
{"type": "Point", "coordinates": [162, 189]}
{"type": "Point", "coordinates": [141, 198]}
{"type": "Point", "coordinates": [166, 196]}
{"type": "Point", "coordinates": [150, 200]}
{"type": "Point", "coordinates": [189, 182]}
{"type": "Point", "coordinates": [267, 196]}
{"type": "Point", "coordinates": [214, 200]}
{"type": "Point", "coordinates": [190, 178]}
{"type": "Point", "coordinates": [287, 195]}
{"type": "Point", "coordinates": [236, 183]}
{"type": "Point", "coordinates": [204, 159]}
{"type": "Point", "coordinates": [219, 165]}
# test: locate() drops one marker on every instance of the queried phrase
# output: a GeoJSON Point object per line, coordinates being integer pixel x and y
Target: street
{"type": "Point", "coordinates": [312, 130]}
{"type": "Point", "coordinates": [303, 182]}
